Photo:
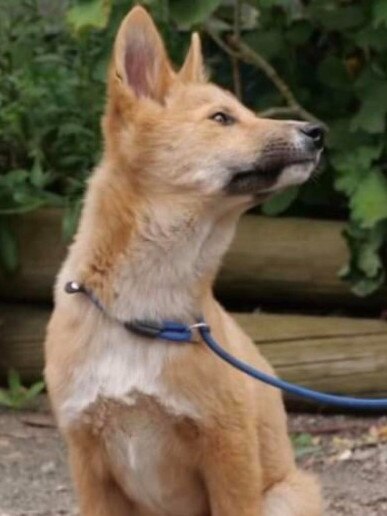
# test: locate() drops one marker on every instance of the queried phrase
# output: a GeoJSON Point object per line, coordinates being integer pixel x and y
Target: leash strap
{"type": "Point", "coordinates": [183, 333]}
{"type": "Point", "coordinates": [346, 402]}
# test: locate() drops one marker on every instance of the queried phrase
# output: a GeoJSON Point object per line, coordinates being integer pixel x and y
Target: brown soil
{"type": "Point", "coordinates": [348, 453]}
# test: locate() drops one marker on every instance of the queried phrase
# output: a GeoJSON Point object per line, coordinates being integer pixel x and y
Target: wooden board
{"type": "Point", "coordinates": [22, 330]}
{"type": "Point", "coordinates": [282, 260]}
{"type": "Point", "coordinates": [41, 249]}
{"type": "Point", "coordinates": [286, 260]}
{"type": "Point", "coordinates": [333, 354]}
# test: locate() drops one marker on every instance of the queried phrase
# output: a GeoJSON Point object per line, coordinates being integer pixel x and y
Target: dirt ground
{"type": "Point", "coordinates": [349, 454]}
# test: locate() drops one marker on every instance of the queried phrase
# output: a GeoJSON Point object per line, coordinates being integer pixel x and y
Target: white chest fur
{"type": "Point", "coordinates": [119, 366]}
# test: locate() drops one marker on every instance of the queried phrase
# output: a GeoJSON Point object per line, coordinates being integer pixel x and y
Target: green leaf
{"type": "Point", "coordinates": [303, 444]}
{"type": "Point", "coordinates": [267, 4]}
{"type": "Point", "coordinates": [70, 219]}
{"type": "Point", "coordinates": [333, 73]}
{"type": "Point", "coordinates": [158, 8]}
{"type": "Point", "coordinates": [369, 202]}
{"type": "Point", "coordinates": [352, 166]}
{"type": "Point", "coordinates": [348, 182]}
{"type": "Point", "coordinates": [34, 391]}
{"type": "Point", "coordinates": [13, 380]}
{"type": "Point", "coordinates": [379, 13]}
{"type": "Point", "coordinates": [280, 202]}
{"type": "Point", "coordinates": [8, 247]}
{"type": "Point", "coordinates": [268, 43]}
{"type": "Point", "coordinates": [366, 286]}
{"type": "Point", "coordinates": [333, 17]}
{"type": "Point", "coordinates": [38, 177]}
{"type": "Point", "coordinates": [371, 116]}
{"type": "Point", "coordinates": [343, 140]}
{"type": "Point", "coordinates": [299, 33]}
{"type": "Point", "coordinates": [293, 9]}
{"type": "Point", "coordinates": [89, 14]}
{"type": "Point", "coordinates": [13, 178]}
{"type": "Point", "coordinates": [189, 13]}
{"type": "Point", "coordinates": [370, 37]}
{"type": "Point", "coordinates": [370, 262]}
{"type": "Point", "coordinates": [17, 396]}
{"type": "Point", "coordinates": [302, 440]}
{"type": "Point", "coordinates": [365, 270]}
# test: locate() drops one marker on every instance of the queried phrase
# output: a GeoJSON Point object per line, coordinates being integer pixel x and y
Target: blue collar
{"type": "Point", "coordinates": [167, 330]}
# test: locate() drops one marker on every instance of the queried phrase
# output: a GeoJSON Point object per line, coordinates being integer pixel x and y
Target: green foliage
{"type": "Point", "coordinates": [16, 396]}
{"type": "Point", "coordinates": [304, 444]}
{"type": "Point", "coordinates": [89, 14]}
{"type": "Point", "coordinates": [280, 202]}
{"type": "Point", "coordinates": [50, 103]}
{"type": "Point", "coordinates": [365, 270]}
{"type": "Point", "coordinates": [191, 13]}
{"type": "Point", "coordinates": [331, 53]}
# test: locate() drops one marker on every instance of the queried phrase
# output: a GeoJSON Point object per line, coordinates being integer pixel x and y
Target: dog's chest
{"type": "Point", "coordinates": [152, 453]}
{"type": "Point", "coordinates": [118, 367]}
{"type": "Point", "coordinates": [149, 429]}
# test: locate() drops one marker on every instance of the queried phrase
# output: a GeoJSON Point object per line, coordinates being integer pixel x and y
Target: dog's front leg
{"type": "Point", "coordinates": [98, 493]}
{"type": "Point", "coordinates": [232, 473]}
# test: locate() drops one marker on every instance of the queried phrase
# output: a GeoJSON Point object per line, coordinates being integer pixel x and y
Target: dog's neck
{"type": "Point", "coordinates": [170, 263]}
{"type": "Point", "coordinates": [151, 256]}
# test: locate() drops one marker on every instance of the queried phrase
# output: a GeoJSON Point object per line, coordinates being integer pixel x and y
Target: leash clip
{"type": "Point", "coordinates": [72, 287]}
{"type": "Point", "coordinates": [198, 325]}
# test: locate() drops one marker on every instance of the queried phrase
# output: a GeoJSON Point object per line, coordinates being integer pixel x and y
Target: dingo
{"type": "Point", "coordinates": [156, 428]}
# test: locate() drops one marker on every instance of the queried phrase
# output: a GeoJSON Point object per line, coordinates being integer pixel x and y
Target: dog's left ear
{"type": "Point", "coordinates": [193, 69]}
{"type": "Point", "coordinates": [140, 59]}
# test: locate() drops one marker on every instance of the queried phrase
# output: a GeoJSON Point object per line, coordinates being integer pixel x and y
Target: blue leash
{"type": "Point", "coordinates": [179, 332]}
{"type": "Point", "coordinates": [346, 402]}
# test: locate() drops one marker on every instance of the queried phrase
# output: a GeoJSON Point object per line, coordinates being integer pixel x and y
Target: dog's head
{"type": "Point", "coordinates": [177, 132]}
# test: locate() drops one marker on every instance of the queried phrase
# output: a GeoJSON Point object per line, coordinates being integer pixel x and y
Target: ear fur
{"type": "Point", "coordinates": [140, 59]}
{"type": "Point", "coordinates": [193, 69]}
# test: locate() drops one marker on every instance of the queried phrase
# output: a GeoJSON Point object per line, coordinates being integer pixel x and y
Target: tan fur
{"type": "Point", "coordinates": [154, 428]}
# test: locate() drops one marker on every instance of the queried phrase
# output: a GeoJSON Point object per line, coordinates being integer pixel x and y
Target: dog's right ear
{"type": "Point", "coordinates": [193, 69]}
{"type": "Point", "coordinates": [140, 61]}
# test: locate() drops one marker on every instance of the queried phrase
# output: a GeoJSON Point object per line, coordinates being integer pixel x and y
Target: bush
{"type": "Point", "coordinates": [323, 59]}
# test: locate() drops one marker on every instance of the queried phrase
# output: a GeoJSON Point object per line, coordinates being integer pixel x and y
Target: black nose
{"type": "Point", "coordinates": [316, 133]}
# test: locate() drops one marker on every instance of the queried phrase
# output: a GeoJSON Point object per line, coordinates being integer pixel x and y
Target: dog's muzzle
{"type": "Point", "coordinates": [276, 159]}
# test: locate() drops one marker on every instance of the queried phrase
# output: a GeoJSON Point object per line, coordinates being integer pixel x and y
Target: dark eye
{"type": "Point", "coordinates": [222, 118]}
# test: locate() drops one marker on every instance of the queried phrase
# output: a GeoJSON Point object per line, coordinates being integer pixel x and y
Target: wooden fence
{"type": "Point", "coordinates": [282, 260]}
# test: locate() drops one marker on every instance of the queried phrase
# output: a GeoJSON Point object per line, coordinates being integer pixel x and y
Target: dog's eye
{"type": "Point", "coordinates": [222, 118]}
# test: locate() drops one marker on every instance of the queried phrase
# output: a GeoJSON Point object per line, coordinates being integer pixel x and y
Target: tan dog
{"type": "Point", "coordinates": [156, 428]}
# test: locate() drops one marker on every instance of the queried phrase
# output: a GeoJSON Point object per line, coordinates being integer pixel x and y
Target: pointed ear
{"type": "Point", "coordinates": [193, 69]}
{"type": "Point", "coordinates": [140, 59]}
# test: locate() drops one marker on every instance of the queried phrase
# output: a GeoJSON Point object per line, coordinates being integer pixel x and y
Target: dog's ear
{"type": "Point", "coordinates": [140, 60]}
{"type": "Point", "coordinates": [193, 69]}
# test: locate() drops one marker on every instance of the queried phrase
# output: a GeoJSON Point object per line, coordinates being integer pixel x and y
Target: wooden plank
{"type": "Point", "coordinates": [22, 330]}
{"type": "Point", "coordinates": [329, 353]}
{"type": "Point", "coordinates": [282, 260]}
{"type": "Point", "coordinates": [332, 354]}
{"type": "Point", "coordinates": [286, 260]}
{"type": "Point", "coordinates": [41, 249]}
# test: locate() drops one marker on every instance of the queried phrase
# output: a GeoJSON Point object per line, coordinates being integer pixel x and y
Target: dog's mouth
{"type": "Point", "coordinates": [264, 179]}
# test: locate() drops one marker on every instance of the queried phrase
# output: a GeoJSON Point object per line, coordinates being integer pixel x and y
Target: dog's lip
{"type": "Point", "coordinates": [267, 172]}
{"type": "Point", "coordinates": [263, 177]}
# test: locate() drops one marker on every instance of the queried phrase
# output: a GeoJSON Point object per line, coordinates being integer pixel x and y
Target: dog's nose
{"type": "Point", "coordinates": [316, 134]}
